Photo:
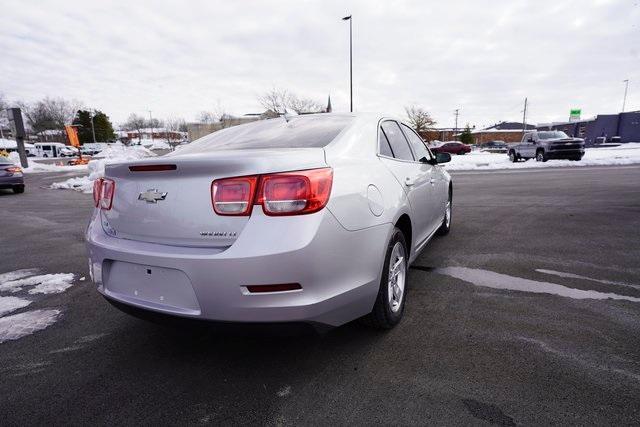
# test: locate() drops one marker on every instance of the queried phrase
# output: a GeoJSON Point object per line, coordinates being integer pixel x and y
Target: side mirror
{"type": "Point", "coordinates": [443, 157]}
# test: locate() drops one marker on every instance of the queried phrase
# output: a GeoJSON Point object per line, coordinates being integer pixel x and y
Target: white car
{"type": "Point", "coordinates": [314, 218]}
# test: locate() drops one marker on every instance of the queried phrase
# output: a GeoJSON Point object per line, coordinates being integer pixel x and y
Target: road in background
{"type": "Point", "coordinates": [463, 353]}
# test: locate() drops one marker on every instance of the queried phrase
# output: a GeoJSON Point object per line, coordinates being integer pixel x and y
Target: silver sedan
{"type": "Point", "coordinates": [312, 218]}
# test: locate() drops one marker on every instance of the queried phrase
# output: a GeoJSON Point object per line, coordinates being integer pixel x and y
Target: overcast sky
{"type": "Point", "coordinates": [178, 58]}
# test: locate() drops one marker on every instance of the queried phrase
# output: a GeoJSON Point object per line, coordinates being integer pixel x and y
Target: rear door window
{"type": "Point", "coordinates": [397, 141]}
{"type": "Point", "coordinates": [419, 149]}
{"type": "Point", "coordinates": [385, 148]}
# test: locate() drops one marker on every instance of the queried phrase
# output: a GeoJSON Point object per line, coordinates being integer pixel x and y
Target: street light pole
{"type": "Point", "coordinates": [93, 129]}
{"type": "Point", "coordinates": [349, 18]}
{"type": "Point", "coordinates": [626, 88]}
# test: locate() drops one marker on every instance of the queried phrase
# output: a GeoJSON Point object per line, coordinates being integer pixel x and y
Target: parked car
{"type": "Point", "coordinates": [11, 176]}
{"type": "Point", "coordinates": [545, 145]}
{"type": "Point", "coordinates": [452, 147]}
{"type": "Point", "coordinates": [312, 218]}
{"type": "Point", "coordinates": [494, 147]}
{"type": "Point", "coordinates": [69, 151]}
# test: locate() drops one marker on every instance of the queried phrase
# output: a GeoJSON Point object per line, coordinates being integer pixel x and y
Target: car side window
{"type": "Point", "coordinates": [419, 148]}
{"type": "Point", "coordinates": [397, 141]}
{"type": "Point", "coordinates": [383, 142]}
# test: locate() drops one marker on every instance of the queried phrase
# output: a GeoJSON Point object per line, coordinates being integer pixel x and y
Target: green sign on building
{"type": "Point", "coordinates": [574, 114]}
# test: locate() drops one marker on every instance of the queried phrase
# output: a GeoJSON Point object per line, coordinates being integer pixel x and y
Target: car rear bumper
{"type": "Point", "coordinates": [339, 272]}
{"type": "Point", "coordinates": [11, 181]}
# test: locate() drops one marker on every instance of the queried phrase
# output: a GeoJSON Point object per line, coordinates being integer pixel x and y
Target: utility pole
{"type": "Point", "coordinates": [17, 128]}
{"type": "Point", "coordinates": [93, 129]}
{"type": "Point", "coordinates": [524, 118]}
{"type": "Point", "coordinates": [348, 18]}
{"type": "Point", "coordinates": [455, 129]}
{"type": "Point", "coordinates": [151, 124]}
{"type": "Point", "coordinates": [626, 88]}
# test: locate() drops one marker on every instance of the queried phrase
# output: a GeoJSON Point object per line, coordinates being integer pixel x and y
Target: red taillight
{"type": "Point", "coordinates": [107, 189]}
{"type": "Point", "coordinates": [295, 193]}
{"type": "Point", "coordinates": [233, 196]}
{"type": "Point", "coordinates": [97, 188]}
{"type": "Point", "coordinates": [287, 193]}
{"type": "Point", "coordinates": [14, 169]}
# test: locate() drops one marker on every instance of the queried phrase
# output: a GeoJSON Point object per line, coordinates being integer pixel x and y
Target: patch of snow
{"type": "Point", "coordinates": [624, 154]}
{"type": "Point", "coordinates": [495, 280]}
{"type": "Point", "coordinates": [44, 284]}
{"type": "Point", "coordinates": [19, 325]}
{"type": "Point", "coordinates": [82, 279]}
{"type": "Point", "coordinates": [18, 274]}
{"type": "Point", "coordinates": [284, 391]}
{"type": "Point", "coordinates": [9, 304]}
{"type": "Point", "coordinates": [35, 167]}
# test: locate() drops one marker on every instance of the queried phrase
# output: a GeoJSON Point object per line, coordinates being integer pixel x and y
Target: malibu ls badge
{"type": "Point", "coordinates": [152, 196]}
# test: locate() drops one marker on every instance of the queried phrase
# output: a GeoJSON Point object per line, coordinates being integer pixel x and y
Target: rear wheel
{"type": "Point", "coordinates": [512, 156]}
{"type": "Point", "coordinates": [389, 306]}
{"type": "Point", "coordinates": [18, 189]}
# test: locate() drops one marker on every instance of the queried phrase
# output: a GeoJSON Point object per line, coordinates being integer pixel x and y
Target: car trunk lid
{"type": "Point", "coordinates": [167, 200]}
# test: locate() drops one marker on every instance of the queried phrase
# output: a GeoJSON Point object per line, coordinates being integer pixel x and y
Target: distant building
{"type": "Point", "coordinates": [198, 130]}
{"type": "Point", "coordinates": [503, 131]}
{"type": "Point", "coordinates": [601, 128]}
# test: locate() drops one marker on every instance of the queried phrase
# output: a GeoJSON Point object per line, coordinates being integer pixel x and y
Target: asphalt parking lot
{"type": "Point", "coordinates": [464, 353]}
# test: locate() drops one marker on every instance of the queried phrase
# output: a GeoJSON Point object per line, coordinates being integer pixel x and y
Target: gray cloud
{"type": "Point", "coordinates": [177, 58]}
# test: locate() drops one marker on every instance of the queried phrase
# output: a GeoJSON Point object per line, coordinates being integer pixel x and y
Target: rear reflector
{"type": "Point", "coordinates": [233, 196]}
{"type": "Point", "coordinates": [152, 168]}
{"type": "Point", "coordinates": [256, 289]}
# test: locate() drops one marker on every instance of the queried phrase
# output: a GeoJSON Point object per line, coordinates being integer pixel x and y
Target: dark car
{"type": "Point", "coordinates": [494, 147]}
{"type": "Point", "coordinates": [11, 176]}
{"type": "Point", "coordinates": [453, 147]}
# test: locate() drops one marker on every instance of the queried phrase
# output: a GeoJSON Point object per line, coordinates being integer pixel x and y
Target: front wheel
{"type": "Point", "coordinates": [541, 157]}
{"type": "Point", "coordinates": [445, 227]}
{"type": "Point", "coordinates": [389, 306]}
{"type": "Point", "coordinates": [512, 156]}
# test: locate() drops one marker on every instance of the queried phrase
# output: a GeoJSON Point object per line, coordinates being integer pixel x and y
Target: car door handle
{"type": "Point", "coordinates": [408, 181]}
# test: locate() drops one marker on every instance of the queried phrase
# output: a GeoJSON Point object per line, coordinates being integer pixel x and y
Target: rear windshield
{"type": "Point", "coordinates": [316, 130]}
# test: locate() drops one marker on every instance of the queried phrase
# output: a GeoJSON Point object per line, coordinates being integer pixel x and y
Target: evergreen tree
{"type": "Point", "coordinates": [101, 124]}
{"type": "Point", "coordinates": [466, 137]}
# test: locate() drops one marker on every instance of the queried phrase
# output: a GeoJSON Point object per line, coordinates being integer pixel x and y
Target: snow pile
{"type": "Point", "coordinates": [625, 154]}
{"type": "Point", "coordinates": [96, 167]}
{"type": "Point", "coordinates": [35, 167]}
{"type": "Point", "coordinates": [18, 325]}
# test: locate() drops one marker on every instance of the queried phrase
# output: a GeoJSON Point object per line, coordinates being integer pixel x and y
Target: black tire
{"type": "Point", "coordinates": [382, 316]}
{"type": "Point", "coordinates": [445, 227]}
{"type": "Point", "coordinates": [541, 156]}
{"type": "Point", "coordinates": [513, 156]}
{"type": "Point", "coordinates": [18, 189]}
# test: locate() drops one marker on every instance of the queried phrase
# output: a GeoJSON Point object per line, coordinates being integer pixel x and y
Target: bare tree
{"type": "Point", "coordinates": [419, 118]}
{"type": "Point", "coordinates": [206, 117]}
{"type": "Point", "coordinates": [172, 126]}
{"type": "Point", "coordinates": [49, 113]}
{"type": "Point", "coordinates": [4, 104]}
{"type": "Point", "coordinates": [303, 105]}
{"type": "Point", "coordinates": [274, 101]}
{"type": "Point", "coordinates": [137, 123]}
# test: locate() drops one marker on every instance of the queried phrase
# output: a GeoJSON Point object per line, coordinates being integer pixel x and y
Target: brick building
{"type": "Point", "coordinates": [504, 131]}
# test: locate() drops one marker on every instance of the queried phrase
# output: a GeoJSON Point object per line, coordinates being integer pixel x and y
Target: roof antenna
{"type": "Point", "coordinates": [288, 114]}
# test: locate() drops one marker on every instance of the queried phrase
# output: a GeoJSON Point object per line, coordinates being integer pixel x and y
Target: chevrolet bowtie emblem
{"type": "Point", "coordinates": [152, 196]}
